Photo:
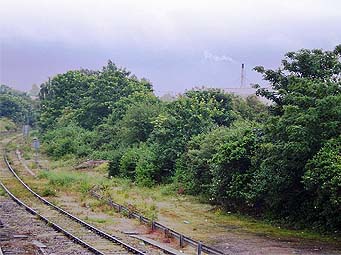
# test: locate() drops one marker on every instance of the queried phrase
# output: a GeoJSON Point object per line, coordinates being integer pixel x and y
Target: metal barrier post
{"type": "Point", "coordinates": [166, 231]}
{"type": "Point", "coordinates": [181, 239]}
{"type": "Point", "coordinates": [199, 248]}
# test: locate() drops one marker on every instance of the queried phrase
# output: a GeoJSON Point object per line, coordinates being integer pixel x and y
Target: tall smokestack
{"type": "Point", "coordinates": [242, 76]}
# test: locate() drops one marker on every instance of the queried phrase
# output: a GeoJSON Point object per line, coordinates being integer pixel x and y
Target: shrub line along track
{"type": "Point", "coordinates": [112, 245]}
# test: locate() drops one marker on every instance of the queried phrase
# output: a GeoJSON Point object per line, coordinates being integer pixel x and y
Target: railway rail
{"type": "Point", "coordinates": [200, 247]}
{"type": "Point", "coordinates": [90, 237]}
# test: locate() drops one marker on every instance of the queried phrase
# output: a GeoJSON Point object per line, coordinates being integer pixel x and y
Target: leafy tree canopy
{"type": "Point", "coordinates": [16, 106]}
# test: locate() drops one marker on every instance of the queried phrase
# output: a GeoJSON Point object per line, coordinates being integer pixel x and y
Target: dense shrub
{"type": "Point", "coordinates": [138, 163]}
{"type": "Point", "coordinates": [114, 163]}
{"type": "Point", "coordinates": [137, 123]}
{"type": "Point", "coordinates": [231, 168]}
{"type": "Point", "coordinates": [218, 164]}
{"type": "Point", "coordinates": [128, 162]}
{"type": "Point", "coordinates": [322, 180]}
{"type": "Point", "coordinates": [193, 168]}
{"type": "Point", "coordinates": [197, 111]}
{"type": "Point", "coordinates": [68, 140]}
{"type": "Point", "coordinates": [146, 170]}
{"type": "Point", "coordinates": [306, 114]}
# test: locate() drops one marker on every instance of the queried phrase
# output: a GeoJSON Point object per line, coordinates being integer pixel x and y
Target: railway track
{"type": "Point", "coordinates": [199, 248]}
{"type": "Point", "coordinates": [92, 238]}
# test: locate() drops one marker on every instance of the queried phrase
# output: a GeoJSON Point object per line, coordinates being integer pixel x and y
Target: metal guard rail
{"type": "Point", "coordinates": [182, 238]}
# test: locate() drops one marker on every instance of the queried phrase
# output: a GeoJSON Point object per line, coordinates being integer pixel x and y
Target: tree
{"type": "Point", "coordinates": [16, 106]}
{"type": "Point", "coordinates": [137, 123]}
{"type": "Point", "coordinates": [317, 65]}
{"type": "Point", "coordinates": [92, 95]}
{"type": "Point", "coordinates": [62, 91]}
{"type": "Point", "coordinates": [197, 111]}
{"type": "Point", "coordinates": [306, 114]}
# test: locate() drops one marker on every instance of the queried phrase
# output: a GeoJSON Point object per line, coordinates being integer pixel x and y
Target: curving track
{"type": "Point", "coordinates": [79, 231]}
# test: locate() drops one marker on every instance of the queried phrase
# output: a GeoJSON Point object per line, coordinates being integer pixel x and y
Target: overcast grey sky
{"type": "Point", "coordinates": [176, 44]}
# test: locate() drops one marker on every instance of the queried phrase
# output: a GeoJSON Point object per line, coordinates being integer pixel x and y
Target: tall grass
{"type": "Point", "coordinates": [79, 181]}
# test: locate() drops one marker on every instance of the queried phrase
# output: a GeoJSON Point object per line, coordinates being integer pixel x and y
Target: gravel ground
{"type": "Point", "coordinates": [23, 233]}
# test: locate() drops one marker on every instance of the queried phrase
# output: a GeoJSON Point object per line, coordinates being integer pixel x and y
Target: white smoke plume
{"type": "Point", "coordinates": [215, 58]}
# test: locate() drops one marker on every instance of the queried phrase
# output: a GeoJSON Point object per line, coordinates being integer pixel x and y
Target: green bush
{"type": "Point", "coordinates": [193, 169]}
{"type": "Point", "coordinates": [231, 167]}
{"type": "Point", "coordinates": [17, 106]}
{"type": "Point", "coordinates": [322, 180]}
{"type": "Point", "coordinates": [68, 140]}
{"type": "Point", "coordinates": [128, 162]}
{"type": "Point", "coordinates": [207, 168]}
{"type": "Point", "coordinates": [197, 111]}
{"type": "Point", "coordinates": [138, 164]}
{"type": "Point", "coordinates": [305, 115]}
{"type": "Point", "coordinates": [146, 170]}
{"type": "Point", "coordinates": [114, 163]}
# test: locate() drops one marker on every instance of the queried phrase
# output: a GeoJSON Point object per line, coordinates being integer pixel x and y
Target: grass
{"type": "Point", "coordinates": [96, 220]}
{"type": "Point", "coordinates": [68, 180]}
{"type": "Point", "coordinates": [6, 124]}
{"type": "Point", "coordinates": [48, 192]}
{"type": "Point", "coordinates": [162, 203]}
{"type": "Point", "coordinates": [61, 178]}
{"type": "Point", "coordinates": [2, 192]}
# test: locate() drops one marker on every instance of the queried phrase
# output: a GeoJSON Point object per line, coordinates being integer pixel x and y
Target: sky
{"type": "Point", "coordinates": [176, 44]}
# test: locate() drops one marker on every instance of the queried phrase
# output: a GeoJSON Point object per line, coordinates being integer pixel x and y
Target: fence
{"type": "Point", "coordinates": [200, 247]}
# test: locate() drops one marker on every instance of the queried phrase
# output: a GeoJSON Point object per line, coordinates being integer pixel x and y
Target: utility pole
{"type": "Point", "coordinates": [242, 76]}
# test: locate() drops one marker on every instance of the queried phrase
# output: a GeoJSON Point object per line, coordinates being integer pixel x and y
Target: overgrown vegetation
{"type": "Point", "coordinates": [281, 162]}
{"type": "Point", "coordinates": [6, 125]}
{"type": "Point", "coordinates": [157, 201]}
{"type": "Point", "coordinates": [17, 106]}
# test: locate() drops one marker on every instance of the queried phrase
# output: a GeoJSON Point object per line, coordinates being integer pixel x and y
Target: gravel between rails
{"type": "Point", "coordinates": [23, 233]}
{"type": "Point", "coordinates": [103, 245]}
{"type": "Point", "coordinates": [100, 244]}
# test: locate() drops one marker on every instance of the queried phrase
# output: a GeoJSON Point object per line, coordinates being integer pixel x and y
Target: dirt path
{"type": "Point", "coordinates": [246, 244]}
